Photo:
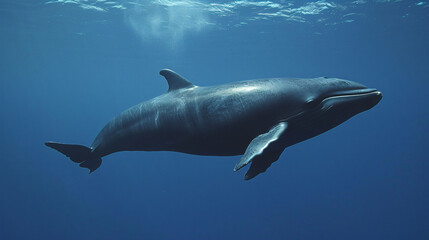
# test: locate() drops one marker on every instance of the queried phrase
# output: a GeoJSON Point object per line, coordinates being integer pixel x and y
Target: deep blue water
{"type": "Point", "coordinates": [67, 67]}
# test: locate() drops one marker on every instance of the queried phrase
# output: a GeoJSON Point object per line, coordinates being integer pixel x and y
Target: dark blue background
{"type": "Point", "coordinates": [64, 72]}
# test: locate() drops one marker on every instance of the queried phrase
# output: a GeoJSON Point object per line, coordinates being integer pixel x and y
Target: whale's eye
{"type": "Point", "coordinates": [312, 103]}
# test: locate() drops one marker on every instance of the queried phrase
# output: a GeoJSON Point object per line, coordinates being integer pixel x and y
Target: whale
{"type": "Point", "coordinates": [257, 119]}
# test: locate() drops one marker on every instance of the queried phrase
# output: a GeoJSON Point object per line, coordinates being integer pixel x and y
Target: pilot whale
{"type": "Point", "coordinates": [257, 119]}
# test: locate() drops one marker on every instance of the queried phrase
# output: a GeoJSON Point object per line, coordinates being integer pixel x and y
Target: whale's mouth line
{"type": "Point", "coordinates": [353, 93]}
{"type": "Point", "coordinates": [340, 95]}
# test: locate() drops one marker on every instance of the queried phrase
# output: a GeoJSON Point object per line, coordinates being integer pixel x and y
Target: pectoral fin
{"type": "Point", "coordinates": [262, 151]}
{"type": "Point", "coordinates": [262, 162]}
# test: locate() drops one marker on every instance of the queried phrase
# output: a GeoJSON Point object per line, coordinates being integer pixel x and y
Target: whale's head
{"type": "Point", "coordinates": [328, 102]}
{"type": "Point", "coordinates": [340, 98]}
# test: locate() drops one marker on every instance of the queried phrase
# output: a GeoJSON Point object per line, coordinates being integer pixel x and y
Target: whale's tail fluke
{"type": "Point", "coordinates": [78, 154]}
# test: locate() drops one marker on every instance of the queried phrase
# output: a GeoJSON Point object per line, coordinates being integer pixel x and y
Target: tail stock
{"type": "Point", "coordinates": [78, 154]}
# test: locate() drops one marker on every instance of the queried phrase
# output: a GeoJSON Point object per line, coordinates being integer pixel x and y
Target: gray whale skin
{"type": "Point", "coordinates": [256, 118]}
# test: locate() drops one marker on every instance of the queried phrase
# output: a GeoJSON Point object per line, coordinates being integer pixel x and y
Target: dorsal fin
{"type": "Point", "coordinates": [175, 81]}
